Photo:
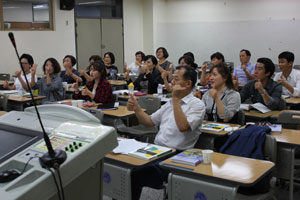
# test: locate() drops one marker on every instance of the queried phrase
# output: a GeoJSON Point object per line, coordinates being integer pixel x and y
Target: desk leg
{"type": "Point", "coordinates": [182, 187]}
{"type": "Point", "coordinates": [285, 165]}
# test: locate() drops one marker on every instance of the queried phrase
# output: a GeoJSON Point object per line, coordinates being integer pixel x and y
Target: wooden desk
{"type": "Point", "coordinates": [2, 113]}
{"type": "Point", "coordinates": [256, 115]}
{"type": "Point", "coordinates": [287, 141]}
{"type": "Point", "coordinates": [3, 81]}
{"type": "Point", "coordinates": [293, 100]}
{"type": "Point", "coordinates": [117, 82]}
{"type": "Point", "coordinates": [16, 103]}
{"type": "Point", "coordinates": [210, 139]}
{"type": "Point", "coordinates": [118, 168]}
{"type": "Point", "coordinates": [219, 179]}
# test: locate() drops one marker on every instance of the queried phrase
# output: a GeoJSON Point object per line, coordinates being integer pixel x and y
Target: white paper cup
{"type": "Point", "coordinates": [207, 156]}
{"type": "Point", "coordinates": [65, 85]}
{"type": "Point", "coordinates": [79, 103]}
{"type": "Point", "coordinates": [74, 103]}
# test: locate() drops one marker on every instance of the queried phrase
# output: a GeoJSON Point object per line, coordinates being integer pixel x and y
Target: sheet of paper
{"type": "Point", "coordinates": [128, 145]}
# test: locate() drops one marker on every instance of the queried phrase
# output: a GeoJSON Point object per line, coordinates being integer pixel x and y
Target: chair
{"type": "Point", "coordinates": [297, 67]}
{"type": "Point", "coordinates": [151, 104]}
{"type": "Point", "coordinates": [240, 117]}
{"type": "Point", "coordinates": [290, 119]}
{"type": "Point", "coordinates": [270, 154]}
{"type": "Point", "coordinates": [230, 65]}
{"type": "Point", "coordinates": [4, 76]}
{"type": "Point", "coordinates": [96, 112]}
{"type": "Point", "coordinates": [3, 102]}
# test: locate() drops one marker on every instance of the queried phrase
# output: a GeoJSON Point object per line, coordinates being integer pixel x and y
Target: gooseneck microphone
{"type": "Point", "coordinates": [53, 158]}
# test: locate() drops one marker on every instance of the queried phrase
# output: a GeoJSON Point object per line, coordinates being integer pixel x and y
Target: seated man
{"type": "Point", "coordinates": [263, 89]}
{"type": "Point", "coordinates": [179, 122]}
{"type": "Point", "coordinates": [288, 77]}
{"type": "Point", "coordinates": [245, 71]}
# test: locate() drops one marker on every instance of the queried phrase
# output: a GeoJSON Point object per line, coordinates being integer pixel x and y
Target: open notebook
{"type": "Point", "coordinates": [258, 106]}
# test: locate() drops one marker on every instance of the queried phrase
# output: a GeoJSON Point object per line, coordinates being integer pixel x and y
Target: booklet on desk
{"type": "Point", "coordinates": [258, 106]}
{"type": "Point", "coordinates": [188, 157]}
{"type": "Point", "coordinates": [214, 127]}
{"type": "Point", "coordinates": [150, 151]}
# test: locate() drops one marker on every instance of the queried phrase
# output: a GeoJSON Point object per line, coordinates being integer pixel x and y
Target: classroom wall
{"type": "Point", "coordinates": [265, 27]}
{"type": "Point", "coordinates": [40, 44]}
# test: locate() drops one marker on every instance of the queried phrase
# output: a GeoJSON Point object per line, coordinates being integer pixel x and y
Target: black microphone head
{"type": "Point", "coordinates": [12, 38]}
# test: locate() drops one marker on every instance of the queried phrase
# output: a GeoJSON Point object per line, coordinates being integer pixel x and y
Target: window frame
{"type": "Point", "coordinates": [51, 20]}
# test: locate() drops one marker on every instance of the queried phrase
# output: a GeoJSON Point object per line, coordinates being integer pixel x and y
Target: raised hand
{"type": "Point", "coordinates": [204, 68]}
{"type": "Point", "coordinates": [214, 93]}
{"type": "Point", "coordinates": [164, 74]}
{"type": "Point", "coordinates": [18, 73]}
{"type": "Point", "coordinates": [243, 67]}
{"type": "Point", "coordinates": [33, 69]}
{"type": "Point", "coordinates": [132, 104]}
{"type": "Point", "coordinates": [5, 85]}
{"type": "Point", "coordinates": [75, 85]}
{"type": "Point", "coordinates": [85, 91]}
{"type": "Point", "coordinates": [258, 85]}
{"type": "Point", "coordinates": [178, 92]}
{"type": "Point", "coordinates": [82, 71]}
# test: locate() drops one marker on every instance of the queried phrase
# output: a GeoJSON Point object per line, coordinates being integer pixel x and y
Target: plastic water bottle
{"type": "Point", "coordinates": [130, 88]}
{"type": "Point", "coordinates": [159, 89]}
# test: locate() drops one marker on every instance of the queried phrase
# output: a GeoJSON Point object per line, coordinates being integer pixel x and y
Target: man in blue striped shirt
{"type": "Point", "coordinates": [245, 71]}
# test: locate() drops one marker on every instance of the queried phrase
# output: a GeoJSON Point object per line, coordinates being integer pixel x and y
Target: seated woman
{"type": "Point", "coordinates": [135, 67]}
{"type": "Point", "coordinates": [111, 70]}
{"type": "Point", "coordinates": [163, 63]}
{"type": "Point", "coordinates": [85, 73]}
{"type": "Point", "coordinates": [148, 81]}
{"type": "Point", "coordinates": [222, 101]}
{"type": "Point", "coordinates": [98, 90]}
{"type": "Point", "coordinates": [50, 85]}
{"type": "Point", "coordinates": [20, 82]}
{"type": "Point", "coordinates": [70, 75]}
{"type": "Point", "coordinates": [216, 58]}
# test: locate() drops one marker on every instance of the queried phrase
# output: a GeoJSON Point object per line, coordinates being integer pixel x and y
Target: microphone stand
{"type": "Point", "coordinates": [53, 158]}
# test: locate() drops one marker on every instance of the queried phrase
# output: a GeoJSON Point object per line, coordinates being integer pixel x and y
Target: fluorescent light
{"type": "Point", "coordinates": [91, 2]}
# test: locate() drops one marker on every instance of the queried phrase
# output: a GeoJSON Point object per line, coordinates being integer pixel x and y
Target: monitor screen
{"type": "Point", "coordinates": [14, 140]}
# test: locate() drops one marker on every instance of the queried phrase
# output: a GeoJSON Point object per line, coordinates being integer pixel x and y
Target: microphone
{"type": "Point", "coordinates": [53, 158]}
{"type": "Point", "coordinates": [12, 39]}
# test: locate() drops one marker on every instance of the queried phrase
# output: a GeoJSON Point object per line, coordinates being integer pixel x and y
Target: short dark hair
{"type": "Point", "coordinates": [225, 73]}
{"type": "Point", "coordinates": [28, 57]}
{"type": "Point", "coordinates": [54, 63]}
{"type": "Point", "coordinates": [218, 56]}
{"type": "Point", "coordinates": [112, 57]}
{"type": "Point", "coordinates": [246, 51]}
{"type": "Point", "coordinates": [188, 60]}
{"type": "Point", "coordinates": [289, 56]}
{"type": "Point", "coordinates": [190, 54]}
{"type": "Point", "coordinates": [140, 53]}
{"type": "Point", "coordinates": [153, 58]}
{"type": "Point", "coordinates": [95, 58]}
{"type": "Point", "coordinates": [164, 50]}
{"type": "Point", "coordinates": [268, 64]}
{"type": "Point", "coordinates": [189, 74]}
{"type": "Point", "coordinates": [100, 67]}
{"type": "Point", "coordinates": [72, 58]}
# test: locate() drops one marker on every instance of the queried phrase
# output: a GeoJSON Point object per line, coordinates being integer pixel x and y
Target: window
{"type": "Point", "coordinates": [26, 15]}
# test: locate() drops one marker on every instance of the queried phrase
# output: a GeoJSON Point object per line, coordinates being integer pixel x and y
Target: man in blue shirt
{"type": "Point", "coordinates": [245, 71]}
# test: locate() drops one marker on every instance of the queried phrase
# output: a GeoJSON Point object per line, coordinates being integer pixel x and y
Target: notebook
{"type": "Point", "coordinates": [214, 127]}
{"type": "Point", "coordinates": [150, 151]}
{"type": "Point", "coordinates": [258, 106]}
{"type": "Point", "coordinates": [188, 157]}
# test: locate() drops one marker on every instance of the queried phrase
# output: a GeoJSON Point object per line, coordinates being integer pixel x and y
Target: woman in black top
{"type": "Point", "coordinates": [111, 70]}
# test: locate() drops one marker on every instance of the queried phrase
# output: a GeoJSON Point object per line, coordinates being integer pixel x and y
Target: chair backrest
{"type": "Point", "coordinates": [270, 149]}
{"type": "Point", "coordinates": [241, 119]}
{"type": "Point", "coordinates": [151, 104]}
{"type": "Point", "coordinates": [4, 76]}
{"type": "Point", "coordinates": [3, 102]}
{"type": "Point", "coordinates": [96, 112]}
{"type": "Point", "coordinates": [230, 65]}
{"type": "Point", "coordinates": [115, 97]}
{"type": "Point", "coordinates": [297, 67]}
{"type": "Point", "coordinates": [282, 104]}
{"type": "Point", "coordinates": [289, 119]}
